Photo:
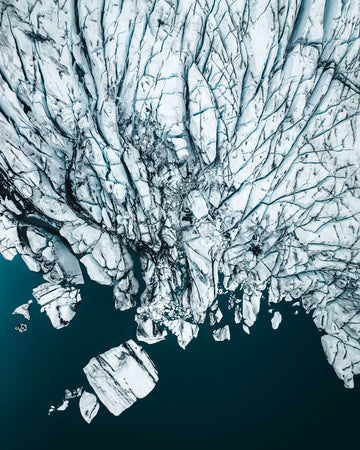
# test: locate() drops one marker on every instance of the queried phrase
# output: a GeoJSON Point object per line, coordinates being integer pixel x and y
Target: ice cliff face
{"type": "Point", "coordinates": [203, 137]}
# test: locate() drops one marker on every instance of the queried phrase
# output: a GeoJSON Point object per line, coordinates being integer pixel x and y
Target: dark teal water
{"type": "Point", "coordinates": [269, 390]}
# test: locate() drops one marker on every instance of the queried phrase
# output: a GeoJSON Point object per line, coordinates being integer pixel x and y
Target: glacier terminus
{"type": "Point", "coordinates": [213, 144]}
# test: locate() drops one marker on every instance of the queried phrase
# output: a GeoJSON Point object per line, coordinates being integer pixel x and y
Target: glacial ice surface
{"type": "Point", "coordinates": [204, 138]}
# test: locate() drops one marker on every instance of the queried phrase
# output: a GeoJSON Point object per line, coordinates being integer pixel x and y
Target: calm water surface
{"type": "Point", "coordinates": [268, 390]}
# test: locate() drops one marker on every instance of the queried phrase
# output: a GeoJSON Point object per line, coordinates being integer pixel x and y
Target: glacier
{"type": "Point", "coordinates": [214, 144]}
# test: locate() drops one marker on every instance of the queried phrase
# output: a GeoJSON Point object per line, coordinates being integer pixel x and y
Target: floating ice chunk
{"type": "Point", "coordinates": [23, 310]}
{"type": "Point", "coordinates": [237, 314]}
{"type": "Point", "coordinates": [70, 394]}
{"type": "Point", "coordinates": [21, 328]}
{"type": "Point", "coordinates": [215, 305]}
{"type": "Point", "coordinates": [58, 302]}
{"type": "Point", "coordinates": [218, 315]}
{"type": "Point", "coordinates": [147, 330]}
{"type": "Point", "coordinates": [276, 320]}
{"type": "Point", "coordinates": [63, 406]}
{"type": "Point", "coordinates": [89, 406]}
{"type": "Point", "coordinates": [215, 317]}
{"type": "Point", "coordinates": [222, 334]}
{"type": "Point", "coordinates": [121, 375]}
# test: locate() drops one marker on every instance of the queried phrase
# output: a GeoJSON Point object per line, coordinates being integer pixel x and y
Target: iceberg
{"type": "Point", "coordinates": [24, 310]}
{"type": "Point", "coordinates": [120, 376]}
{"type": "Point", "coordinates": [89, 406]}
{"type": "Point", "coordinates": [222, 334]}
{"type": "Point", "coordinates": [276, 320]}
{"type": "Point", "coordinates": [21, 328]}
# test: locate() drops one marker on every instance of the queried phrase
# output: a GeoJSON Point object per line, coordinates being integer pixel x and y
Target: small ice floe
{"type": "Point", "coordinates": [215, 317]}
{"type": "Point", "coordinates": [21, 328]}
{"type": "Point", "coordinates": [69, 395]}
{"type": "Point", "coordinates": [64, 405]}
{"type": "Point", "coordinates": [222, 334]}
{"type": "Point", "coordinates": [73, 393]}
{"type": "Point", "coordinates": [218, 315]}
{"type": "Point", "coordinates": [237, 314]}
{"type": "Point", "coordinates": [24, 310]}
{"type": "Point", "coordinates": [89, 406]}
{"type": "Point", "coordinates": [276, 320]}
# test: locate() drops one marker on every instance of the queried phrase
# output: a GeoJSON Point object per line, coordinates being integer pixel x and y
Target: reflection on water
{"type": "Point", "coordinates": [272, 389]}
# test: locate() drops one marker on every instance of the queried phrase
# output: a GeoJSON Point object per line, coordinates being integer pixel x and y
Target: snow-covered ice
{"type": "Point", "coordinates": [276, 320]}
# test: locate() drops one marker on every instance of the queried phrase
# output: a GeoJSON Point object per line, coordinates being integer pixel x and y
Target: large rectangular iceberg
{"type": "Point", "coordinates": [121, 375]}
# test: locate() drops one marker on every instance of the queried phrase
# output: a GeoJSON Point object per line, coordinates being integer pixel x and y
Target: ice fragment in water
{"type": "Point", "coordinates": [21, 328]}
{"type": "Point", "coordinates": [222, 334]}
{"type": "Point", "coordinates": [24, 310]}
{"type": "Point", "coordinates": [121, 375]}
{"type": "Point", "coordinates": [89, 406]}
